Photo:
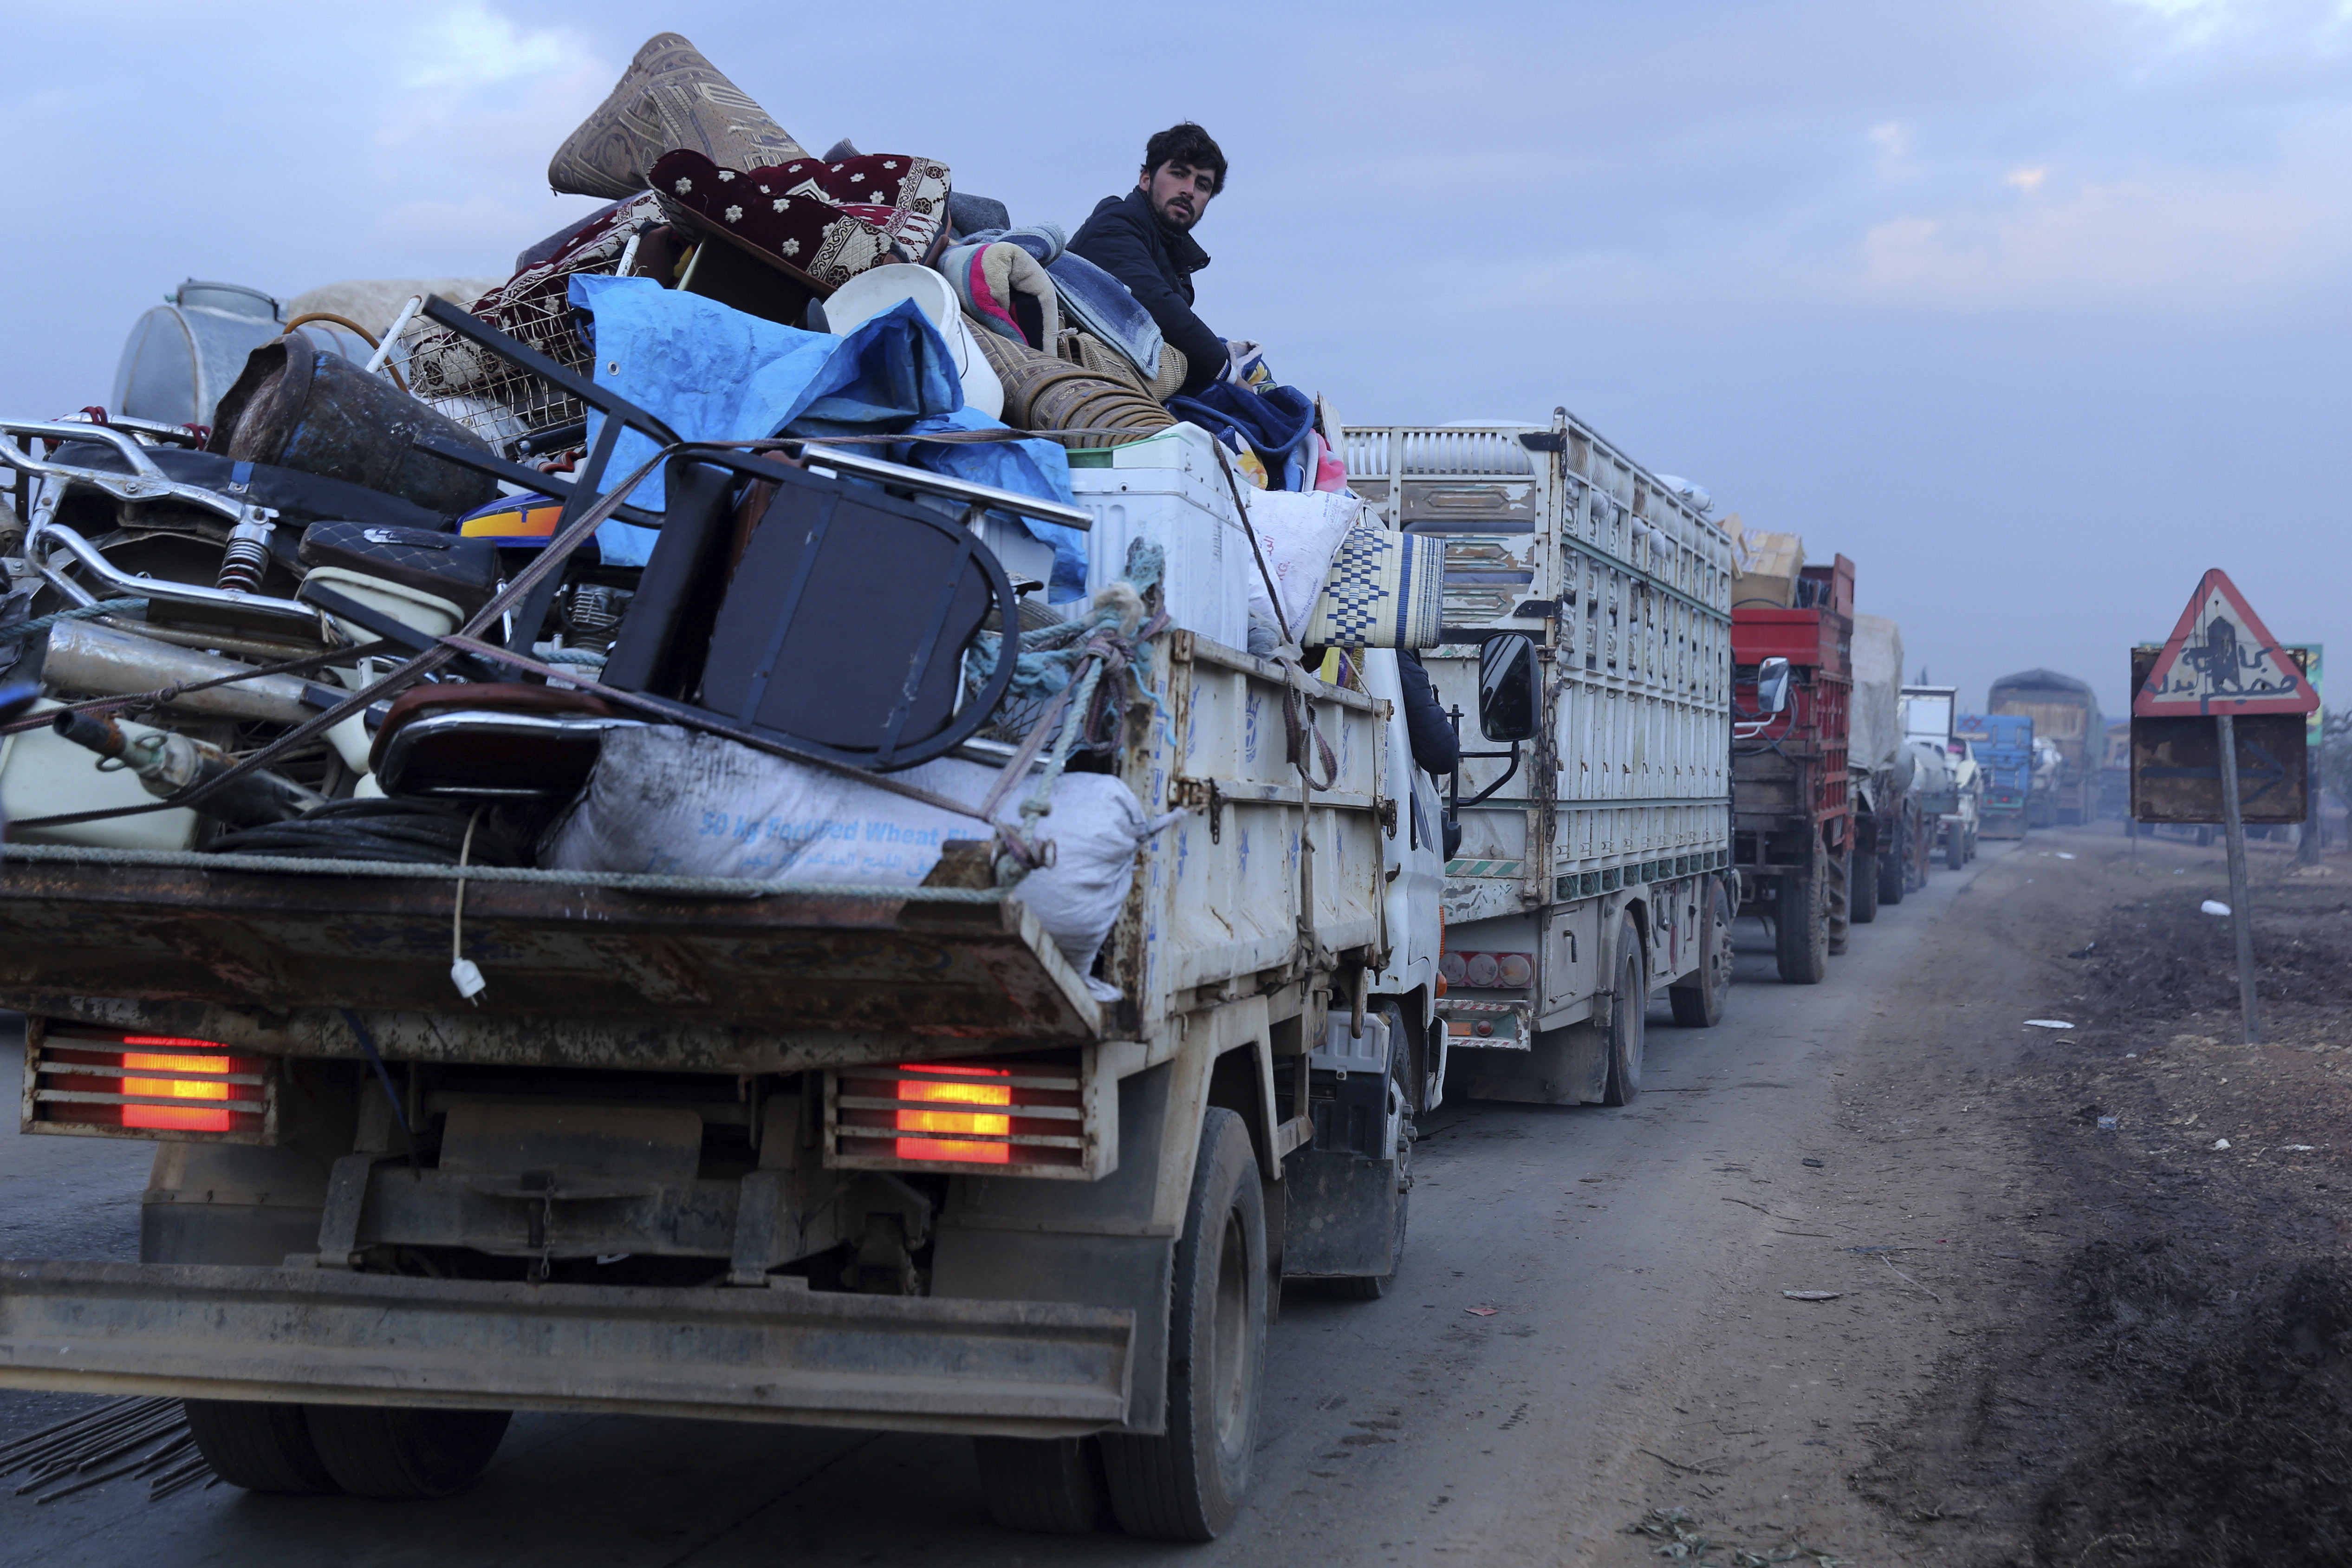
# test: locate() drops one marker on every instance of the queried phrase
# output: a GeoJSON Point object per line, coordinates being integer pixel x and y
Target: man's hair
{"type": "Point", "coordinates": [1185, 143]}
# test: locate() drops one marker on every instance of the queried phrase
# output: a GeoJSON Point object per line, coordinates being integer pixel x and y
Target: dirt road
{"type": "Point", "coordinates": [1592, 1322]}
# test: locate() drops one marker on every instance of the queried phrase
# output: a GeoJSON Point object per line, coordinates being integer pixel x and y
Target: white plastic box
{"type": "Point", "coordinates": [1171, 490]}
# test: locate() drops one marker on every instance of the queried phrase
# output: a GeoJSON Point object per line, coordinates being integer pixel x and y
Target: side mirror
{"type": "Point", "coordinates": [1772, 685]}
{"type": "Point", "coordinates": [1508, 683]}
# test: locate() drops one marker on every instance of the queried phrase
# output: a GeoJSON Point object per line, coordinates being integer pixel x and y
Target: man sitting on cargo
{"type": "Point", "coordinates": [1144, 239]}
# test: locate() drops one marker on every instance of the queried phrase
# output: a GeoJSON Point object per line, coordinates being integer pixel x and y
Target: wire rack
{"type": "Point", "coordinates": [502, 402]}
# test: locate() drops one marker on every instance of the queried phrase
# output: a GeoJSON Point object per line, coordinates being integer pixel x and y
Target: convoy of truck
{"type": "Point", "coordinates": [891, 1158]}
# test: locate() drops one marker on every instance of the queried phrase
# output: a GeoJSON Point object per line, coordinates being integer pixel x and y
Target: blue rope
{"type": "Point", "coordinates": [23, 629]}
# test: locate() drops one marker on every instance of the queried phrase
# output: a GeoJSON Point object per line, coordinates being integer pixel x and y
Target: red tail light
{"type": "Point", "coordinates": [144, 1084]}
{"type": "Point", "coordinates": [999, 1113]}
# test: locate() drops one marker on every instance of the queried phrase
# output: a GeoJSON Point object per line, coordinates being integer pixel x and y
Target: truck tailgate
{"type": "Point", "coordinates": [632, 973]}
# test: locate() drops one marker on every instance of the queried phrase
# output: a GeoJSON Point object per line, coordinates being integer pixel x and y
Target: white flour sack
{"type": "Point", "coordinates": [675, 801]}
{"type": "Point", "coordinates": [1299, 533]}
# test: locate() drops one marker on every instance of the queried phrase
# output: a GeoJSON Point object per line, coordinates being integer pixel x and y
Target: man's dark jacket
{"type": "Point", "coordinates": [1125, 238]}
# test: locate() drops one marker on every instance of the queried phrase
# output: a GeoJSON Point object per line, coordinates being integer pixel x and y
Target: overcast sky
{"type": "Point", "coordinates": [2034, 307]}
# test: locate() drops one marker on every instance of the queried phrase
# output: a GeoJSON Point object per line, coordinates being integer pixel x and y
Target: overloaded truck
{"type": "Point", "coordinates": [2002, 745]}
{"type": "Point", "coordinates": [1884, 816]}
{"type": "Point", "coordinates": [2066, 712]}
{"type": "Point", "coordinates": [1792, 809]}
{"type": "Point", "coordinates": [1586, 626]}
{"type": "Point", "coordinates": [868, 1155]}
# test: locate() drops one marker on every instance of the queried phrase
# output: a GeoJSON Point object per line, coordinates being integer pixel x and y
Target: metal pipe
{"type": "Point", "coordinates": [90, 661]}
{"type": "Point", "coordinates": [92, 559]}
{"type": "Point", "coordinates": [391, 333]}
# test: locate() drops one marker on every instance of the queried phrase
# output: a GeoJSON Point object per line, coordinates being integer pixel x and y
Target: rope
{"type": "Point", "coordinates": [19, 630]}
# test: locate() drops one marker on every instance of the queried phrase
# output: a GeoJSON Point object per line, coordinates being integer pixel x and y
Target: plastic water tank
{"type": "Point", "coordinates": [185, 353]}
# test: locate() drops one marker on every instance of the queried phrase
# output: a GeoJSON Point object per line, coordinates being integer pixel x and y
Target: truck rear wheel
{"type": "Point", "coordinates": [1866, 885]}
{"type": "Point", "coordinates": [1628, 1020]}
{"type": "Point", "coordinates": [261, 1447]}
{"type": "Point", "coordinates": [1051, 1485]}
{"type": "Point", "coordinates": [1187, 1483]}
{"type": "Point", "coordinates": [1800, 932]}
{"type": "Point", "coordinates": [1892, 869]}
{"type": "Point", "coordinates": [399, 1451]}
{"type": "Point", "coordinates": [1700, 999]}
{"type": "Point", "coordinates": [1956, 847]}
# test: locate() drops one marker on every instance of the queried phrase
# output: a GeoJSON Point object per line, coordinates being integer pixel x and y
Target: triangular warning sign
{"type": "Point", "coordinates": [2220, 658]}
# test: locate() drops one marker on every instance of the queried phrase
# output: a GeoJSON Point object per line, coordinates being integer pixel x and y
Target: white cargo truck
{"type": "Point", "coordinates": [756, 1150]}
{"type": "Point", "coordinates": [1588, 612]}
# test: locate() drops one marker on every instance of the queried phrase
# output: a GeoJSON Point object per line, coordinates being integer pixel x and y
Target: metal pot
{"type": "Point", "coordinates": [184, 353]}
{"type": "Point", "coordinates": [300, 407]}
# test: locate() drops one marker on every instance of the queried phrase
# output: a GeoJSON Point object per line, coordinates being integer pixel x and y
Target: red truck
{"type": "Point", "coordinates": [1791, 807]}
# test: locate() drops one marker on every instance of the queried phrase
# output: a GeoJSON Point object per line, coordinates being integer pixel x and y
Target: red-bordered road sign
{"type": "Point", "coordinates": [2220, 658]}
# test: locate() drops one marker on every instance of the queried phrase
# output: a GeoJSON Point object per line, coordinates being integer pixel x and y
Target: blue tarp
{"type": "Point", "coordinates": [714, 374]}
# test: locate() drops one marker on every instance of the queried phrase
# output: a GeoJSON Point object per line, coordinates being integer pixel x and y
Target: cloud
{"type": "Point", "coordinates": [1893, 141]}
{"type": "Point", "coordinates": [471, 47]}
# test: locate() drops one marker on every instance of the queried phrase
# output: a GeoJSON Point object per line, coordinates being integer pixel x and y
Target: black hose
{"type": "Point", "coordinates": [409, 832]}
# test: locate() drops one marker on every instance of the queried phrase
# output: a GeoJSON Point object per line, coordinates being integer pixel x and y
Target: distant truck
{"type": "Point", "coordinates": [2066, 712]}
{"type": "Point", "coordinates": [1791, 803]}
{"type": "Point", "coordinates": [2002, 745]}
{"type": "Point", "coordinates": [1587, 626]}
{"type": "Point", "coordinates": [1950, 779]}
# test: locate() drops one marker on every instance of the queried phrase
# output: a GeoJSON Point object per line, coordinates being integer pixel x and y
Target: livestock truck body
{"type": "Point", "coordinates": [2064, 713]}
{"type": "Point", "coordinates": [2002, 745]}
{"type": "Point", "coordinates": [759, 1152]}
{"type": "Point", "coordinates": [1593, 869]}
{"type": "Point", "coordinates": [1792, 806]}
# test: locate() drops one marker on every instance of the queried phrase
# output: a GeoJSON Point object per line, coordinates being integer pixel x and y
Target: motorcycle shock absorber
{"type": "Point", "coordinates": [246, 557]}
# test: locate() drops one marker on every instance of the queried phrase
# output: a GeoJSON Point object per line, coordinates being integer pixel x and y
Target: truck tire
{"type": "Point", "coordinates": [1866, 885]}
{"type": "Point", "coordinates": [1800, 931]}
{"type": "Point", "coordinates": [1700, 999]}
{"type": "Point", "coordinates": [1187, 1483]}
{"type": "Point", "coordinates": [400, 1451]}
{"type": "Point", "coordinates": [261, 1447]}
{"type": "Point", "coordinates": [1050, 1486]}
{"type": "Point", "coordinates": [1372, 1287]}
{"type": "Point", "coordinates": [1956, 847]}
{"type": "Point", "coordinates": [1892, 869]}
{"type": "Point", "coordinates": [1628, 1020]}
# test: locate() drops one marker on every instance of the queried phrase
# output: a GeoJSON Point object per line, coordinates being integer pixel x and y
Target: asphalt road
{"type": "Point", "coordinates": [1610, 1244]}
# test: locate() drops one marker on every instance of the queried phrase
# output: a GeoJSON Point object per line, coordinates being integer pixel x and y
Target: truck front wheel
{"type": "Point", "coordinates": [1187, 1483]}
{"type": "Point", "coordinates": [1628, 1020]}
{"type": "Point", "coordinates": [1699, 1000]}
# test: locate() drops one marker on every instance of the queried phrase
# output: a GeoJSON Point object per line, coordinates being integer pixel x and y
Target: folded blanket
{"type": "Point", "coordinates": [986, 278]}
{"type": "Point", "coordinates": [1276, 422]}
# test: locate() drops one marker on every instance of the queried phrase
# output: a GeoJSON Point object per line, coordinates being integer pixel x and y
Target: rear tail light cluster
{"type": "Point", "coordinates": [1487, 970]}
{"type": "Point", "coordinates": [146, 1086]}
{"type": "Point", "coordinates": [1013, 1117]}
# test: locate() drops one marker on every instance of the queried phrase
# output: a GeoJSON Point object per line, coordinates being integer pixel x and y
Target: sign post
{"type": "Point", "coordinates": [2221, 661]}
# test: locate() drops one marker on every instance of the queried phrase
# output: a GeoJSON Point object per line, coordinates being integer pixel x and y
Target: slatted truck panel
{"type": "Point", "coordinates": [1623, 805]}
